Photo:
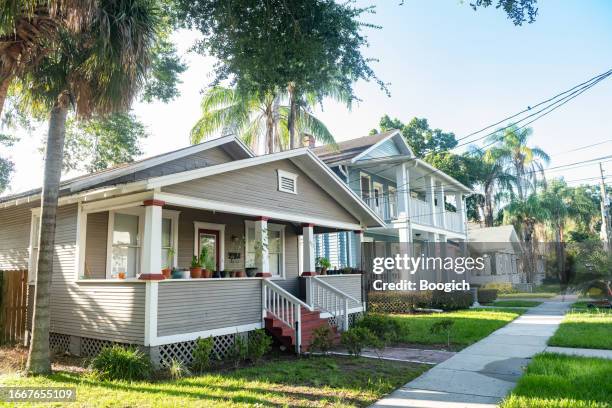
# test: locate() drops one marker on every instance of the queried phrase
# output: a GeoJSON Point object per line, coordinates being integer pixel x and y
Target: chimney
{"type": "Point", "coordinates": [308, 141]}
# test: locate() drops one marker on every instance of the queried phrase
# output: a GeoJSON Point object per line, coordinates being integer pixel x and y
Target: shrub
{"type": "Point", "coordinates": [501, 287]}
{"type": "Point", "coordinates": [240, 351]}
{"type": "Point", "coordinates": [121, 363]}
{"type": "Point", "coordinates": [259, 344]}
{"type": "Point", "coordinates": [357, 338]}
{"type": "Point", "coordinates": [451, 300]}
{"type": "Point", "coordinates": [443, 326]}
{"type": "Point", "coordinates": [177, 369]}
{"type": "Point", "coordinates": [406, 302]}
{"type": "Point", "coordinates": [487, 295]}
{"type": "Point", "coordinates": [322, 339]}
{"type": "Point", "coordinates": [385, 328]}
{"type": "Point", "coordinates": [202, 354]}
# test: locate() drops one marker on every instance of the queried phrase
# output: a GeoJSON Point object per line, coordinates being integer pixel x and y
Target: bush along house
{"type": "Point", "coordinates": [423, 208]}
{"type": "Point", "coordinates": [126, 238]}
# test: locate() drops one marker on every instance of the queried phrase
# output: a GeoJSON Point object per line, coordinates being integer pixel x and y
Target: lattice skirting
{"type": "Point", "coordinates": [183, 351]}
{"type": "Point", "coordinates": [59, 343]}
{"type": "Point", "coordinates": [353, 318]}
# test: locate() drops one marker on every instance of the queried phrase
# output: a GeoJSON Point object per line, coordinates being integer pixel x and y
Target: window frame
{"type": "Point", "coordinates": [361, 177]}
{"type": "Point", "coordinates": [286, 174]}
{"type": "Point", "coordinates": [270, 227]}
{"type": "Point", "coordinates": [33, 246]}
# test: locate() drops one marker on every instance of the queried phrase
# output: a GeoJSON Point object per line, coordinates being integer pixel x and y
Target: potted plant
{"type": "Point", "coordinates": [322, 265]}
{"type": "Point", "coordinates": [239, 274]}
{"type": "Point", "coordinates": [196, 268]}
{"type": "Point", "coordinates": [347, 271]}
{"type": "Point", "coordinates": [207, 262]}
{"type": "Point", "coordinates": [167, 270]}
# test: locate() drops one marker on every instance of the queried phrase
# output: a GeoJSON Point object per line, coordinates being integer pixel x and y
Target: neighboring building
{"type": "Point", "coordinates": [118, 228]}
{"type": "Point", "coordinates": [408, 193]}
{"type": "Point", "coordinates": [502, 251]}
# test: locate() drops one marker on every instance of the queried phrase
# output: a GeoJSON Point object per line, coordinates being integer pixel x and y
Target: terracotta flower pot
{"type": "Point", "coordinates": [195, 272]}
{"type": "Point", "coordinates": [206, 273]}
{"type": "Point", "coordinates": [240, 274]}
{"type": "Point", "coordinates": [121, 275]}
{"type": "Point", "coordinates": [166, 272]}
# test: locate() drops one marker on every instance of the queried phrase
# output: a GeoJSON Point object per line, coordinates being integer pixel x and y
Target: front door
{"type": "Point", "coordinates": [210, 239]}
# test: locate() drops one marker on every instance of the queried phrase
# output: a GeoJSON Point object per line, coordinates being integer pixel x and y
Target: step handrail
{"type": "Point", "coordinates": [339, 300]}
{"type": "Point", "coordinates": [285, 307]}
{"type": "Point", "coordinates": [336, 290]}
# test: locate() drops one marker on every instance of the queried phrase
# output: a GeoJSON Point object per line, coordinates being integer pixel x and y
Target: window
{"type": "Point", "coordinates": [392, 202]}
{"type": "Point", "coordinates": [276, 248]}
{"type": "Point", "coordinates": [167, 244]}
{"type": "Point", "coordinates": [287, 182]}
{"type": "Point", "coordinates": [365, 187]}
{"type": "Point", "coordinates": [125, 251]}
{"type": "Point", "coordinates": [33, 259]}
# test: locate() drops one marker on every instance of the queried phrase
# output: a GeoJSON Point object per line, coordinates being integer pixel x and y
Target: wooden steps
{"type": "Point", "coordinates": [286, 335]}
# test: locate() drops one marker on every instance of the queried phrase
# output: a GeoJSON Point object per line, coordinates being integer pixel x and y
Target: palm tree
{"type": "Point", "coordinates": [26, 29]}
{"type": "Point", "coordinates": [256, 118]}
{"type": "Point", "coordinates": [97, 72]}
{"type": "Point", "coordinates": [511, 150]}
{"type": "Point", "coordinates": [524, 215]}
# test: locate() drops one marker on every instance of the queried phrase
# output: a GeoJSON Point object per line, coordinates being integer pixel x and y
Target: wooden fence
{"type": "Point", "coordinates": [13, 305]}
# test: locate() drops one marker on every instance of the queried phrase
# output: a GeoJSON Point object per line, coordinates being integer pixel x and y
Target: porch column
{"type": "Point", "coordinates": [461, 211]}
{"type": "Point", "coordinates": [308, 250]}
{"type": "Point", "coordinates": [441, 207]}
{"type": "Point", "coordinates": [402, 180]}
{"type": "Point", "coordinates": [358, 239]}
{"type": "Point", "coordinates": [262, 260]}
{"type": "Point", "coordinates": [429, 195]}
{"type": "Point", "coordinates": [152, 241]}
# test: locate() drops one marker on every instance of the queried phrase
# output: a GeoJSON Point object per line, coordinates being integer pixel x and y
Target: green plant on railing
{"type": "Point", "coordinates": [207, 260]}
{"type": "Point", "coordinates": [195, 262]}
{"type": "Point", "coordinates": [170, 263]}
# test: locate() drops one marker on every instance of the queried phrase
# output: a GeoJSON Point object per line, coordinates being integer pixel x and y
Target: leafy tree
{"type": "Point", "coordinates": [254, 118]}
{"type": "Point", "coordinates": [519, 11]}
{"type": "Point", "coordinates": [420, 137]}
{"type": "Point", "coordinates": [302, 46]}
{"type": "Point", "coordinates": [6, 166]}
{"type": "Point", "coordinates": [102, 143]}
{"type": "Point", "coordinates": [510, 148]}
{"type": "Point", "coordinates": [97, 72]}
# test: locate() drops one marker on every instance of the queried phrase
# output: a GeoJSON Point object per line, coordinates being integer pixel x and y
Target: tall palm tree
{"type": "Point", "coordinates": [256, 119]}
{"type": "Point", "coordinates": [97, 72]}
{"type": "Point", "coordinates": [26, 29]}
{"type": "Point", "coordinates": [511, 149]}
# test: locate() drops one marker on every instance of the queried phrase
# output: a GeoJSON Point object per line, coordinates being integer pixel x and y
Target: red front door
{"type": "Point", "coordinates": [210, 239]}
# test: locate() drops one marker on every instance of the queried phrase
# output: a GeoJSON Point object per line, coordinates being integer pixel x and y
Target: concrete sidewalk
{"type": "Point", "coordinates": [482, 374]}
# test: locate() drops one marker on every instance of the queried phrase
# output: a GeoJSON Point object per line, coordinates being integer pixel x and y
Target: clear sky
{"type": "Point", "coordinates": [460, 69]}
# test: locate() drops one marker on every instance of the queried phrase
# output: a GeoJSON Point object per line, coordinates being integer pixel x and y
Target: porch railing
{"type": "Point", "coordinates": [285, 307]}
{"type": "Point", "coordinates": [325, 297]}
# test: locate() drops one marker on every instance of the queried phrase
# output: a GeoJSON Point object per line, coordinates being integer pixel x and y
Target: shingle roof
{"type": "Point", "coordinates": [348, 149]}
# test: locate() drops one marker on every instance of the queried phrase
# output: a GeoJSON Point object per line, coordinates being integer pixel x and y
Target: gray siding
{"type": "Point", "coordinates": [257, 187]}
{"type": "Point", "coordinates": [187, 307]}
{"type": "Point", "coordinates": [95, 248]}
{"type": "Point", "coordinates": [15, 237]}
{"type": "Point", "coordinates": [349, 284]}
{"type": "Point", "coordinates": [234, 236]}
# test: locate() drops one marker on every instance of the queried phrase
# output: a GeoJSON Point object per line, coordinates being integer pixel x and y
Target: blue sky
{"type": "Point", "coordinates": [460, 69]}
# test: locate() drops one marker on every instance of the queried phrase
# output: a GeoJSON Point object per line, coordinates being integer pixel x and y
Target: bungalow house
{"type": "Point", "coordinates": [117, 229]}
{"type": "Point", "coordinates": [422, 207]}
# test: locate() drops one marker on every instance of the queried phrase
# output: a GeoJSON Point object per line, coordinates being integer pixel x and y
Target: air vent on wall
{"type": "Point", "coordinates": [287, 182]}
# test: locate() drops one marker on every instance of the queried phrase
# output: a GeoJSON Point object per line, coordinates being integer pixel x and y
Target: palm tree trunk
{"type": "Point", "coordinates": [269, 130]}
{"type": "Point", "coordinates": [488, 209]}
{"type": "Point", "coordinates": [291, 120]}
{"type": "Point", "coordinates": [519, 182]}
{"type": "Point", "coordinates": [39, 361]}
{"type": "Point", "coordinates": [4, 84]}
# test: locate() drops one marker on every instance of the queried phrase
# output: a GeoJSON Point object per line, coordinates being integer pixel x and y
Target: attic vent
{"type": "Point", "coordinates": [287, 182]}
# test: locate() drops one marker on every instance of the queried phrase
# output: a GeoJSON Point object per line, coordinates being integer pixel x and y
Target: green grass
{"type": "Point", "coordinates": [516, 303]}
{"type": "Point", "coordinates": [314, 381]}
{"type": "Point", "coordinates": [527, 295]}
{"type": "Point", "coordinates": [469, 327]}
{"type": "Point", "coordinates": [584, 328]}
{"type": "Point", "coordinates": [558, 381]}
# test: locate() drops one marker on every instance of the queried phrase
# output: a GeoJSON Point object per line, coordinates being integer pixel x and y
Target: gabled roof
{"type": "Point", "coordinates": [351, 150]}
{"type": "Point", "coordinates": [230, 144]}
{"type": "Point", "coordinates": [503, 239]}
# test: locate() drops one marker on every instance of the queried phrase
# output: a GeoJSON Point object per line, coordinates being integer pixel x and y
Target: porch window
{"type": "Point", "coordinates": [125, 252]}
{"type": "Point", "coordinates": [276, 248]}
{"type": "Point", "coordinates": [167, 244]}
{"type": "Point", "coordinates": [33, 259]}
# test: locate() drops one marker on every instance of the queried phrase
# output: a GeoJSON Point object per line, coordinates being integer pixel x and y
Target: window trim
{"type": "Point", "coordinates": [274, 227]}
{"type": "Point", "coordinates": [33, 266]}
{"type": "Point", "coordinates": [363, 175]}
{"type": "Point", "coordinates": [285, 174]}
{"type": "Point", "coordinates": [197, 225]}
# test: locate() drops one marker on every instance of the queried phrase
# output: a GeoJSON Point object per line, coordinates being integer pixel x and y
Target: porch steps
{"type": "Point", "coordinates": [286, 335]}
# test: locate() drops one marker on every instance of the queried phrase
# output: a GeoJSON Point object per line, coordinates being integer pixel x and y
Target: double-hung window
{"type": "Point", "coordinates": [276, 248]}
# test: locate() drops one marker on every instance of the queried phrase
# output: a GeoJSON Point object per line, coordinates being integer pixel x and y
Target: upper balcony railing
{"type": "Point", "coordinates": [420, 213]}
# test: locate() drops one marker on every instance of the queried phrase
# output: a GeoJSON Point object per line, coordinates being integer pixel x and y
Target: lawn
{"type": "Point", "coordinates": [469, 327]}
{"type": "Point", "coordinates": [558, 381]}
{"type": "Point", "coordinates": [584, 328]}
{"type": "Point", "coordinates": [313, 382]}
{"type": "Point", "coordinates": [516, 303]}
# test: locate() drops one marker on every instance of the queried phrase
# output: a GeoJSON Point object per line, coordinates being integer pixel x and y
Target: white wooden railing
{"type": "Point", "coordinates": [325, 297]}
{"type": "Point", "coordinates": [453, 222]}
{"type": "Point", "coordinates": [420, 211]}
{"type": "Point", "coordinates": [285, 307]}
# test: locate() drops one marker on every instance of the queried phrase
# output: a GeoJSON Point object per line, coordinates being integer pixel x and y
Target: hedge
{"type": "Point", "coordinates": [487, 295]}
{"type": "Point", "coordinates": [406, 302]}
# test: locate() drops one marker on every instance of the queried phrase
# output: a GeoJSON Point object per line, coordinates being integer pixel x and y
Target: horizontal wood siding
{"type": "Point", "coordinates": [349, 284]}
{"type": "Point", "coordinates": [95, 248]}
{"type": "Point", "coordinates": [257, 187]}
{"type": "Point", "coordinates": [188, 307]}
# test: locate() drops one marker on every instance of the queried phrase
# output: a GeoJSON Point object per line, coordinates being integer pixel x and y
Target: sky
{"type": "Point", "coordinates": [460, 69]}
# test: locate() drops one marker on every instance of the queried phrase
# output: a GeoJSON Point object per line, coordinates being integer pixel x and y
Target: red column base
{"type": "Point", "coordinates": [309, 273]}
{"type": "Point", "coordinates": [263, 275]}
{"type": "Point", "coordinates": [151, 276]}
